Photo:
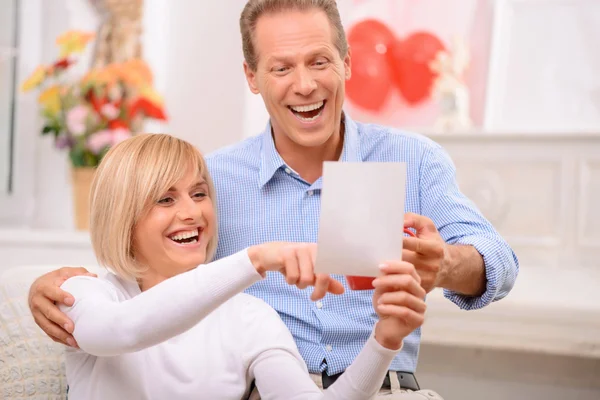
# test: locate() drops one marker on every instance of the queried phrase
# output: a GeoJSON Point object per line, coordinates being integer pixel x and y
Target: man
{"type": "Point", "coordinates": [268, 189]}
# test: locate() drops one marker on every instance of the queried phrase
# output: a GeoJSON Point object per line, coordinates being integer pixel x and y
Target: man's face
{"type": "Point", "coordinates": [300, 76]}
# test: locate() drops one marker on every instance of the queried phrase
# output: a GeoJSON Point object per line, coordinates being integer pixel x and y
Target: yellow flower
{"type": "Point", "coordinates": [35, 79]}
{"type": "Point", "coordinates": [50, 99]}
{"type": "Point", "coordinates": [73, 42]}
{"type": "Point", "coordinates": [151, 95]}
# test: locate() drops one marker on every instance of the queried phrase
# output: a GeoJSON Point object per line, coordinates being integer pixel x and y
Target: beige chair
{"type": "Point", "coordinates": [32, 366]}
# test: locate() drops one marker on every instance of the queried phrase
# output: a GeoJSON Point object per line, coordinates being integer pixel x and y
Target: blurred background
{"type": "Point", "coordinates": [511, 88]}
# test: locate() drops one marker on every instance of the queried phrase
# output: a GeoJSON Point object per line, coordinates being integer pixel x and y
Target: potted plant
{"type": "Point", "coordinates": [87, 115]}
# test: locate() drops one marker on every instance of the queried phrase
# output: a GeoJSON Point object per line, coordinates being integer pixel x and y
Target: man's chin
{"type": "Point", "coordinates": [312, 139]}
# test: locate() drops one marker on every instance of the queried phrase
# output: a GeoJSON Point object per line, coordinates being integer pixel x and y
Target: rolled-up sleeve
{"type": "Point", "coordinates": [459, 221]}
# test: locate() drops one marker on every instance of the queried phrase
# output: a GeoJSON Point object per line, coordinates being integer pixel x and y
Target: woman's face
{"type": "Point", "coordinates": [173, 236]}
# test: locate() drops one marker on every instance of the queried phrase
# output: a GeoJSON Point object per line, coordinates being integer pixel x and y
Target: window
{"type": "Point", "coordinates": [9, 29]}
{"type": "Point", "coordinates": [20, 52]}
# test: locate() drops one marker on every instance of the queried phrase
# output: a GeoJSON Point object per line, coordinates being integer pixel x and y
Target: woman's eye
{"type": "Point", "coordinates": [200, 195]}
{"type": "Point", "coordinates": [165, 200]}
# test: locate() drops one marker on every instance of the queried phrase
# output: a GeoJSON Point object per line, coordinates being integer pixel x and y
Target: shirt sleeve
{"type": "Point", "coordinates": [281, 373]}
{"type": "Point", "coordinates": [106, 326]}
{"type": "Point", "coordinates": [460, 222]}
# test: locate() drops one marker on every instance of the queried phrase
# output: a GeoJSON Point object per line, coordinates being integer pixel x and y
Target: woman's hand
{"type": "Point", "coordinates": [296, 262]}
{"type": "Point", "coordinates": [399, 302]}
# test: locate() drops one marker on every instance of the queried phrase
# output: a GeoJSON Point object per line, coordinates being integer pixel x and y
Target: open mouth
{"type": "Point", "coordinates": [186, 237]}
{"type": "Point", "coordinates": [308, 113]}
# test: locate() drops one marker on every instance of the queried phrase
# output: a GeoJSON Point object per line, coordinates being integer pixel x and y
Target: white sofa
{"type": "Point", "coordinates": [31, 364]}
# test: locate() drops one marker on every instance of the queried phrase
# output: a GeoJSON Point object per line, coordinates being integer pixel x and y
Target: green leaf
{"type": "Point", "coordinates": [90, 159]}
{"type": "Point", "coordinates": [77, 156]}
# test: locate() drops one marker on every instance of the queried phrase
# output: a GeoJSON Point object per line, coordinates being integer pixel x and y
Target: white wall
{"type": "Point", "coordinates": [205, 72]}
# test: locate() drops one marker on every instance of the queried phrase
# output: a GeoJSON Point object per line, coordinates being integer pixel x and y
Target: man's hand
{"type": "Point", "coordinates": [399, 301]}
{"type": "Point", "coordinates": [296, 262]}
{"type": "Point", "coordinates": [44, 293]}
{"type": "Point", "coordinates": [427, 252]}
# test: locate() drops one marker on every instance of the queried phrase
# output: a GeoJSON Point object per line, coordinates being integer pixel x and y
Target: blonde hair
{"type": "Point", "coordinates": [128, 182]}
{"type": "Point", "coordinates": [254, 9]}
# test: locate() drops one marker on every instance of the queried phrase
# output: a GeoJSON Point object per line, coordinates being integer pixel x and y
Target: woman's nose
{"type": "Point", "coordinates": [189, 210]}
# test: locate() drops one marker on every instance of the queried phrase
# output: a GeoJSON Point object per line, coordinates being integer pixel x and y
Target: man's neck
{"type": "Point", "coordinates": [308, 161]}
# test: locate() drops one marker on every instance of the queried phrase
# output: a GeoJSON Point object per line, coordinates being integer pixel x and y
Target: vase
{"type": "Point", "coordinates": [81, 180]}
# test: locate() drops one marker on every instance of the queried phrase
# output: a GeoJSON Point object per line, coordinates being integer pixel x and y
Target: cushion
{"type": "Point", "coordinates": [32, 366]}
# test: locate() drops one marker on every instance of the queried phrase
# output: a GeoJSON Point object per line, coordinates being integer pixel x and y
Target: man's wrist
{"type": "Point", "coordinates": [447, 265]}
{"type": "Point", "coordinates": [462, 270]}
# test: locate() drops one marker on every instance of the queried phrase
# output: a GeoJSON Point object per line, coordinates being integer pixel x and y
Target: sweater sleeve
{"type": "Point", "coordinates": [107, 326]}
{"type": "Point", "coordinates": [280, 372]}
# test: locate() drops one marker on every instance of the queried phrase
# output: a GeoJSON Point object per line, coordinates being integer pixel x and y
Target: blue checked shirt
{"type": "Point", "coordinates": [260, 199]}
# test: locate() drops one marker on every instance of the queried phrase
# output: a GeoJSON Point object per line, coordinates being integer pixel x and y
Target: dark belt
{"type": "Point", "coordinates": [407, 380]}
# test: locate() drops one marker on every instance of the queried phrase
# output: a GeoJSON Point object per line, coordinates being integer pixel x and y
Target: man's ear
{"type": "Point", "coordinates": [348, 64]}
{"type": "Point", "coordinates": [251, 78]}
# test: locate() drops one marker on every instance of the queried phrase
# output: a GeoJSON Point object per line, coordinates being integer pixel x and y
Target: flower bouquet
{"type": "Point", "coordinates": [88, 114]}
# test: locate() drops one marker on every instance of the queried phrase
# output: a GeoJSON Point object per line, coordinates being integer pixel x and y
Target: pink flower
{"type": "Point", "coordinates": [107, 138]}
{"type": "Point", "coordinates": [109, 111]}
{"type": "Point", "coordinates": [119, 135]}
{"type": "Point", "coordinates": [76, 120]}
{"type": "Point", "coordinates": [99, 140]}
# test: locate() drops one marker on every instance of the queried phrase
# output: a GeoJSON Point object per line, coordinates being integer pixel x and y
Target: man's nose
{"type": "Point", "coordinates": [305, 82]}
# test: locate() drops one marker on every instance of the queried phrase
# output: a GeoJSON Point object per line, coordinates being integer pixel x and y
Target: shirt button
{"type": "Point", "coordinates": [319, 305]}
{"type": "Point", "coordinates": [288, 171]}
{"type": "Point", "coordinates": [328, 347]}
{"type": "Point", "coordinates": [310, 192]}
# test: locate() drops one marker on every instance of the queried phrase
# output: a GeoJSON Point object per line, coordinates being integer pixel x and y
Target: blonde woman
{"type": "Point", "coordinates": [165, 324]}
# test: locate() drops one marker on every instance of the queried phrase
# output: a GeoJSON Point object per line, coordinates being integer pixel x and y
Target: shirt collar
{"type": "Point", "coordinates": [271, 161]}
{"type": "Point", "coordinates": [351, 150]}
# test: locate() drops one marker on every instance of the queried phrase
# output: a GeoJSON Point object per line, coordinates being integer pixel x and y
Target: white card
{"type": "Point", "coordinates": [362, 217]}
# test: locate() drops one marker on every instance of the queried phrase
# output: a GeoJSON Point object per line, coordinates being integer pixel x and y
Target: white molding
{"type": "Point", "coordinates": [509, 136]}
{"type": "Point", "coordinates": [17, 208]}
{"type": "Point", "coordinates": [585, 176]}
{"type": "Point", "coordinates": [44, 238]}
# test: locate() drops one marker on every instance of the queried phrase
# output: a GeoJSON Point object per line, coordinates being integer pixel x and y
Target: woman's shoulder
{"type": "Point", "coordinates": [108, 284]}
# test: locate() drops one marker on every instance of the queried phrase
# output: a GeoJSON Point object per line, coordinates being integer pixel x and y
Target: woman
{"type": "Point", "coordinates": [157, 326]}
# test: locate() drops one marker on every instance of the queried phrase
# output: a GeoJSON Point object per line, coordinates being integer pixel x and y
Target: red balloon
{"type": "Point", "coordinates": [371, 32]}
{"type": "Point", "coordinates": [409, 60]}
{"type": "Point", "coordinates": [369, 85]}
